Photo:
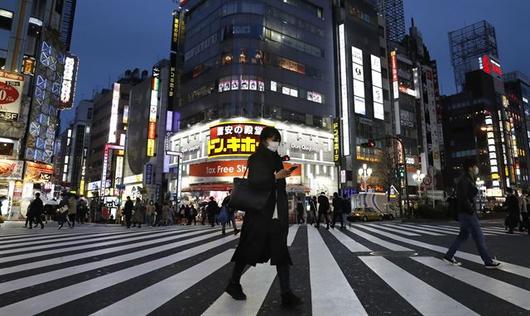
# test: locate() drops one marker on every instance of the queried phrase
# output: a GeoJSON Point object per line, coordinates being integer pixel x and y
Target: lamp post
{"type": "Point", "coordinates": [365, 172]}
{"type": "Point", "coordinates": [418, 178]}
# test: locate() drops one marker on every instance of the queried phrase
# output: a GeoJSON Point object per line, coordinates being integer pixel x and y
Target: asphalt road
{"type": "Point", "coordinates": [379, 268]}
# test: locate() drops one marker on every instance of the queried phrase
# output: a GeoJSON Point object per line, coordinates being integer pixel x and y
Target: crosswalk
{"type": "Point", "coordinates": [364, 269]}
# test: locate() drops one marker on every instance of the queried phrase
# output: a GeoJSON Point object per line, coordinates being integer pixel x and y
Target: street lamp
{"type": "Point", "coordinates": [418, 178]}
{"type": "Point", "coordinates": [365, 172]}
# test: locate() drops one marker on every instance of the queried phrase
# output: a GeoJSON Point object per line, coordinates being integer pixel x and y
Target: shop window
{"type": "Point", "coordinates": [243, 59]}
{"type": "Point", "coordinates": [291, 65]}
{"type": "Point", "coordinates": [258, 57]}
{"type": "Point", "coordinates": [6, 149]}
{"type": "Point", "coordinates": [227, 59]}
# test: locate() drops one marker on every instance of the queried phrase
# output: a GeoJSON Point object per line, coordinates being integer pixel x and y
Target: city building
{"type": "Point", "coordinates": [517, 87]}
{"type": "Point", "coordinates": [394, 14]}
{"type": "Point", "coordinates": [38, 73]}
{"type": "Point", "coordinates": [363, 94]}
{"type": "Point", "coordinates": [72, 151]}
{"type": "Point", "coordinates": [146, 169]}
{"type": "Point", "coordinates": [106, 154]}
{"type": "Point", "coordinates": [483, 124]}
{"type": "Point", "coordinates": [469, 43]}
{"type": "Point", "coordinates": [249, 64]}
{"type": "Point", "coordinates": [416, 101]}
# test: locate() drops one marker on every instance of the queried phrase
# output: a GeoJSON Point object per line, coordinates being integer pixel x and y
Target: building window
{"type": "Point", "coordinates": [292, 42]}
{"type": "Point", "coordinates": [243, 56]}
{"type": "Point", "coordinates": [227, 59]}
{"type": "Point", "coordinates": [291, 65]}
{"type": "Point", "coordinates": [6, 19]}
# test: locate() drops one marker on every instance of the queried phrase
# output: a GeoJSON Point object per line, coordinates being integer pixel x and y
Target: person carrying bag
{"type": "Point", "coordinates": [263, 197]}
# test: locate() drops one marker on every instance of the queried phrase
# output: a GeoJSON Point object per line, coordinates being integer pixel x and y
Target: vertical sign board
{"type": "Point", "coordinates": [377, 88]}
{"type": "Point", "coordinates": [358, 81]}
{"type": "Point", "coordinates": [395, 90]}
{"type": "Point", "coordinates": [345, 116]}
{"type": "Point", "coordinates": [153, 113]}
{"type": "Point", "coordinates": [71, 64]}
{"type": "Point", "coordinates": [336, 142]}
{"type": "Point", "coordinates": [11, 85]}
{"type": "Point", "coordinates": [113, 126]}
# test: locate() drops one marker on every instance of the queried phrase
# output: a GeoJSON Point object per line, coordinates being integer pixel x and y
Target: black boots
{"type": "Point", "coordinates": [291, 301]}
{"type": "Point", "coordinates": [236, 291]}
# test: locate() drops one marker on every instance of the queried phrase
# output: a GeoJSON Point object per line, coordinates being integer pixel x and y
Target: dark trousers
{"type": "Point", "coordinates": [38, 220]}
{"type": "Point", "coordinates": [282, 271]}
{"type": "Point", "coordinates": [513, 221]}
{"type": "Point", "coordinates": [469, 224]}
{"type": "Point", "coordinates": [320, 214]}
{"type": "Point", "coordinates": [128, 220]}
{"type": "Point", "coordinates": [526, 221]}
{"type": "Point", "coordinates": [71, 218]}
{"type": "Point", "coordinates": [29, 221]}
{"type": "Point", "coordinates": [301, 217]}
{"type": "Point", "coordinates": [340, 217]}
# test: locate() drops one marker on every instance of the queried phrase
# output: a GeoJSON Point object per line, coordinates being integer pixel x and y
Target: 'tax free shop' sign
{"type": "Point", "coordinates": [229, 169]}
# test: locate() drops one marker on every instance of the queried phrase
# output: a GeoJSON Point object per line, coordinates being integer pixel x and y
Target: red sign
{"type": "Point", "coordinates": [8, 94]}
{"type": "Point", "coordinates": [227, 168]}
{"type": "Point", "coordinates": [234, 139]}
{"type": "Point", "coordinates": [151, 130]}
{"type": "Point", "coordinates": [38, 172]}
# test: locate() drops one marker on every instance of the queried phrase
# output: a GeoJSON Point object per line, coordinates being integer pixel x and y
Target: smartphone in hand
{"type": "Point", "coordinates": [293, 168]}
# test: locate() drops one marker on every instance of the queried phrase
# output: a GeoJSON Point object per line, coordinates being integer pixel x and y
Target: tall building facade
{"type": "Point", "coordinates": [38, 73]}
{"type": "Point", "coordinates": [517, 86]}
{"type": "Point", "coordinates": [468, 44]}
{"type": "Point", "coordinates": [72, 151]}
{"type": "Point", "coordinates": [394, 14]}
{"type": "Point", "coordinates": [247, 65]}
{"type": "Point", "coordinates": [108, 131]}
{"type": "Point", "coordinates": [483, 124]}
{"type": "Point", "coordinates": [363, 104]}
{"type": "Point", "coordinates": [416, 100]}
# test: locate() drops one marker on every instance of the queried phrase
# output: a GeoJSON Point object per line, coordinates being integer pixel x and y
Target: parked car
{"type": "Point", "coordinates": [365, 214]}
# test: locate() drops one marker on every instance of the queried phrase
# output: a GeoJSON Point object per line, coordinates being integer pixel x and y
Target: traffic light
{"type": "Point", "coordinates": [369, 144]}
{"type": "Point", "coordinates": [401, 171]}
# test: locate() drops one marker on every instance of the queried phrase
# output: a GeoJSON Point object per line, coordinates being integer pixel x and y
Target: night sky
{"type": "Point", "coordinates": [112, 36]}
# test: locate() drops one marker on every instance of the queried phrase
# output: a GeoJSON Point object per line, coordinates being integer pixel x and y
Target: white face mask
{"type": "Point", "coordinates": [475, 170]}
{"type": "Point", "coordinates": [273, 146]}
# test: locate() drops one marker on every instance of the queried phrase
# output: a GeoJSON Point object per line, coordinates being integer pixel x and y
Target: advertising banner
{"type": "Point", "coordinates": [11, 169]}
{"type": "Point", "coordinates": [38, 172]}
{"type": "Point", "coordinates": [214, 170]}
{"type": "Point", "coordinates": [11, 85]}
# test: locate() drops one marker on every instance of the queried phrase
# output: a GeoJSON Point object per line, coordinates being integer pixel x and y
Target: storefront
{"type": "Point", "coordinates": [208, 157]}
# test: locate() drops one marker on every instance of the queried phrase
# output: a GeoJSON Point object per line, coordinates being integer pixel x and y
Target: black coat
{"type": "Point", "coordinates": [323, 204]}
{"type": "Point", "coordinates": [36, 207]}
{"type": "Point", "coordinates": [261, 237]}
{"type": "Point", "coordinates": [127, 210]}
{"type": "Point", "coordinates": [466, 193]}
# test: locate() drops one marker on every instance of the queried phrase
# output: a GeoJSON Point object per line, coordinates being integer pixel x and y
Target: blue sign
{"type": "Point", "coordinates": [148, 173]}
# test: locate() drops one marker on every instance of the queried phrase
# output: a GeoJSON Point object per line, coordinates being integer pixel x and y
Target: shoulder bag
{"type": "Point", "coordinates": [245, 198]}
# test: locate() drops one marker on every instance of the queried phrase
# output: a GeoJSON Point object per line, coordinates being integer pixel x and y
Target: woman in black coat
{"type": "Point", "coordinates": [264, 232]}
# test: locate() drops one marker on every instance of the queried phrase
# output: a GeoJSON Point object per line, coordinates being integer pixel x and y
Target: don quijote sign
{"type": "Point", "coordinates": [11, 86]}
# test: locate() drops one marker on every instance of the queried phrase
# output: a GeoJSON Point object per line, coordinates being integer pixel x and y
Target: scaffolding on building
{"type": "Point", "coordinates": [469, 43]}
{"type": "Point", "coordinates": [394, 14]}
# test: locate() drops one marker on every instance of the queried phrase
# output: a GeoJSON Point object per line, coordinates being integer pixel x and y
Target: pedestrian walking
{"type": "Point", "coordinates": [35, 209]}
{"type": "Point", "coordinates": [72, 210]}
{"type": "Point", "coordinates": [29, 218]}
{"type": "Point", "coordinates": [312, 211]}
{"type": "Point", "coordinates": [264, 232]}
{"type": "Point", "coordinates": [128, 211]}
{"type": "Point", "coordinates": [300, 211]}
{"type": "Point", "coordinates": [346, 209]}
{"type": "Point", "coordinates": [211, 210]}
{"type": "Point", "coordinates": [150, 213]}
{"type": "Point", "coordinates": [512, 207]}
{"type": "Point", "coordinates": [338, 205]}
{"type": "Point", "coordinates": [323, 209]}
{"type": "Point", "coordinates": [466, 194]}
{"type": "Point", "coordinates": [165, 214]}
{"type": "Point", "coordinates": [193, 212]}
{"type": "Point", "coordinates": [525, 220]}
{"type": "Point", "coordinates": [139, 213]}
{"type": "Point", "coordinates": [231, 214]}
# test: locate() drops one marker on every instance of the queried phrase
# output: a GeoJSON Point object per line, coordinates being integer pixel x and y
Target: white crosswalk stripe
{"type": "Point", "coordinates": [176, 260]}
{"type": "Point", "coordinates": [423, 297]}
{"type": "Point", "coordinates": [329, 298]}
{"type": "Point", "coordinates": [415, 230]}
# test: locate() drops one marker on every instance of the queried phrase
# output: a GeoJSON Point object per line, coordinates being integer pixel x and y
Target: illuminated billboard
{"type": "Point", "coordinates": [345, 116]}
{"type": "Point", "coordinates": [358, 80]}
{"type": "Point", "coordinates": [234, 139]}
{"type": "Point", "coordinates": [38, 172]}
{"type": "Point", "coordinates": [114, 112]}
{"type": "Point", "coordinates": [153, 112]}
{"type": "Point", "coordinates": [377, 88]}
{"type": "Point", "coordinates": [11, 85]}
{"type": "Point", "coordinates": [69, 81]}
